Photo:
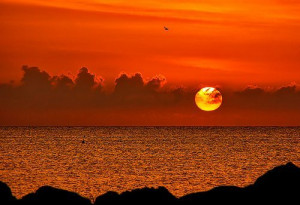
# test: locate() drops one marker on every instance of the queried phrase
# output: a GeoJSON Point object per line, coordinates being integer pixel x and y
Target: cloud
{"type": "Point", "coordinates": [40, 95]}
{"type": "Point", "coordinates": [63, 83]}
{"type": "Point", "coordinates": [216, 97]}
{"type": "Point", "coordinates": [156, 83]}
{"type": "Point", "coordinates": [86, 81]}
{"type": "Point", "coordinates": [286, 90]}
{"type": "Point", "coordinates": [136, 84]}
{"type": "Point", "coordinates": [285, 98]}
{"type": "Point", "coordinates": [136, 92]}
{"type": "Point", "coordinates": [129, 84]}
{"type": "Point", "coordinates": [39, 90]}
{"type": "Point", "coordinates": [35, 80]}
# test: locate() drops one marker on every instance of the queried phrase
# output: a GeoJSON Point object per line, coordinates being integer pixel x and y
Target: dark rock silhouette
{"type": "Point", "coordinates": [138, 196]}
{"type": "Point", "coordinates": [281, 184]}
{"type": "Point", "coordinates": [108, 197]}
{"type": "Point", "coordinates": [278, 178]}
{"type": "Point", "coordinates": [224, 194]}
{"type": "Point", "coordinates": [49, 195]}
{"type": "Point", "coordinates": [5, 194]}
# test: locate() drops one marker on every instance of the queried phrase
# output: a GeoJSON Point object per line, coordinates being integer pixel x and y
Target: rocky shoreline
{"type": "Point", "coordinates": [279, 185]}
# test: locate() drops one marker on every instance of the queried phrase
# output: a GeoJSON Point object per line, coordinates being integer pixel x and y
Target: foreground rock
{"type": "Point", "coordinates": [281, 184]}
{"type": "Point", "coordinates": [5, 194]}
{"type": "Point", "coordinates": [51, 196]}
{"type": "Point", "coordinates": [138, 196]}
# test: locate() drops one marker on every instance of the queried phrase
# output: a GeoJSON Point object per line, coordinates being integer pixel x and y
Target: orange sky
{"type": "Point", "coordinates": [230, 44]}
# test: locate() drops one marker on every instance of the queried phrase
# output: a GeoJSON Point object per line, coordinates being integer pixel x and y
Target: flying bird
{"type": "Point", "coordinates": [166, 28]}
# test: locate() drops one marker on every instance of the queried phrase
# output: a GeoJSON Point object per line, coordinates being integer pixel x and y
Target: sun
{"type": "Point", "coordinates": [208, 99]}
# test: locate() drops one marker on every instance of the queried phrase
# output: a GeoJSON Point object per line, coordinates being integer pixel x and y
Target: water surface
{"type": "Point", "coordinates": [183, 159]}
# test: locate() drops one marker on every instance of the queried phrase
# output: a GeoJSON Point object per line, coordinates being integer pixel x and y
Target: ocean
{"type": "Point", "coordinates": [183, 159]}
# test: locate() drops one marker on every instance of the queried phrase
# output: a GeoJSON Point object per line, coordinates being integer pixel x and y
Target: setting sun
{"type": "Point", "coordinates": [208, 99]}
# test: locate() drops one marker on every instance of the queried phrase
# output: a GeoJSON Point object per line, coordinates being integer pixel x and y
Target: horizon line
{"type": "Point", "coordinates": [1, 126]}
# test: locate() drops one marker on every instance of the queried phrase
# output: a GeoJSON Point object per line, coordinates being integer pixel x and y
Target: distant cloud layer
{"type": "Point", "coordinates": [133, 97]}
{"type": "Point", "coordinates": [39, 89]}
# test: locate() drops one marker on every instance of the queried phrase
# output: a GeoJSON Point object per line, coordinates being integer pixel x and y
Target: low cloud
{"type": "Point", "coordinates": [43, 96]}
{"type": "Point", "coordinates": [39, 90]}
{"type": "Point", "coordinates": [256, 98]}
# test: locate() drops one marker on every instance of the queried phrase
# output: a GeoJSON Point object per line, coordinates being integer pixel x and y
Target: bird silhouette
{"type": "Point", "coordinates": [166, 28]}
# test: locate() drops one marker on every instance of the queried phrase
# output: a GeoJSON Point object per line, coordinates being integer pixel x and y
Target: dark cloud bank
{"type": "Point", "coordinates": [40, 92]}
